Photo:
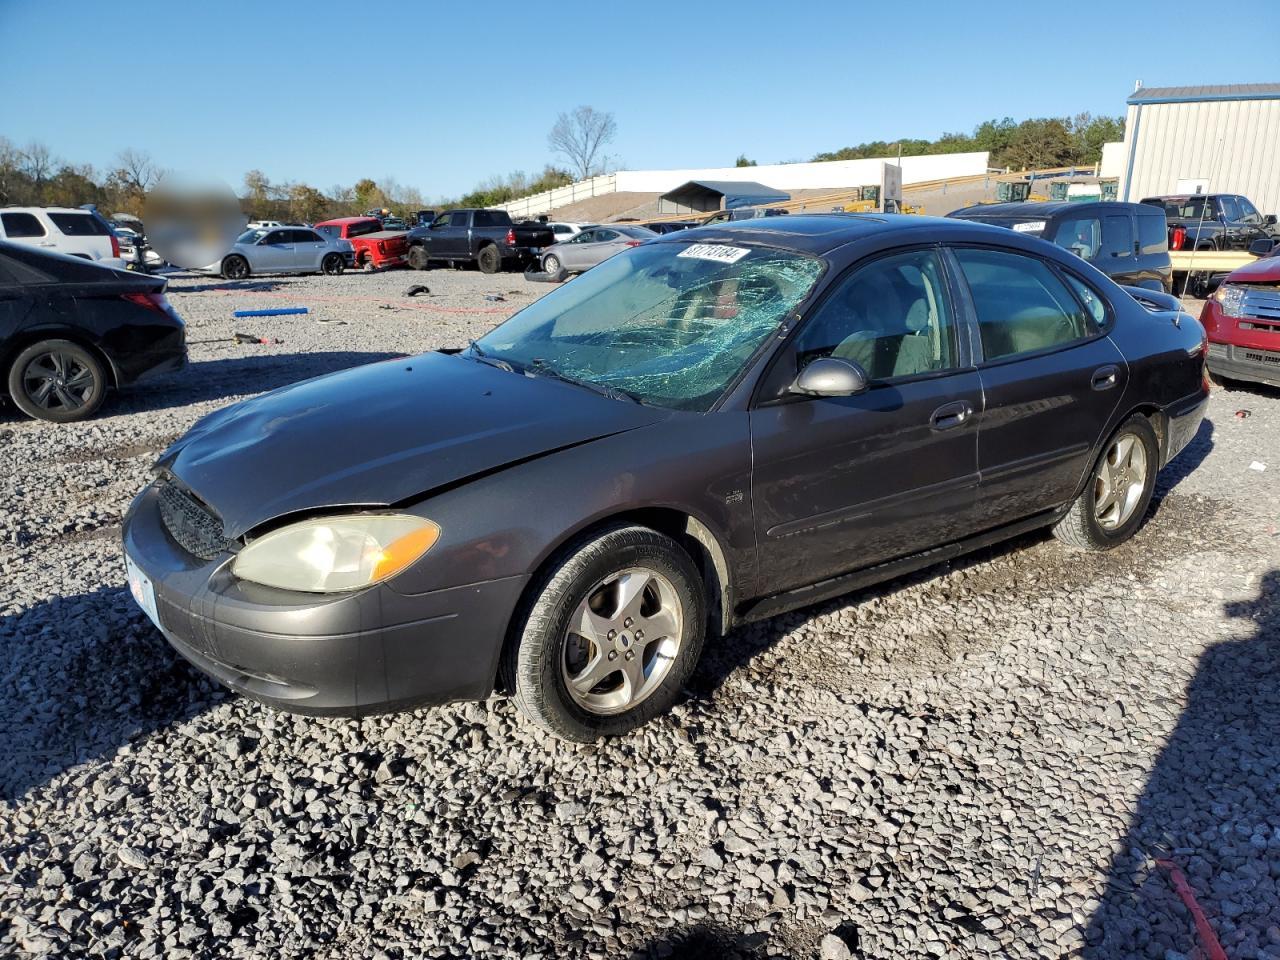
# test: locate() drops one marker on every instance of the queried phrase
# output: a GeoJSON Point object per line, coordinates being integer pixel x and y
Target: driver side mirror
{"type": "Point", "coordinates": [1262, 248]}
{"type": "Point", "coordinates": [830, 377]}
{"type": "Point", "coordinates": [1269, 219]}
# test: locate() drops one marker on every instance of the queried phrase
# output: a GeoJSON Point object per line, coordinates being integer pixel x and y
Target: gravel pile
{"type": "Point", "coordinates": [977, 761]}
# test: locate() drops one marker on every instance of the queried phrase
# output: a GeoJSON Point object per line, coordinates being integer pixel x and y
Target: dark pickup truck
{"type": "Point", "coordinates": [1214, 221]}
{"type": "Point", "coordinates": [488, 237]}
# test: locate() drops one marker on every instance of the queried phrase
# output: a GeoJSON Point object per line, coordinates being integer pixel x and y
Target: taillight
{"type": "Point", "coordinates": [511, 237]}
{"type": "Point", "coordinates": [151, 301]}
{"type": "Point", "coordinates": [1178, 239]}
{"type": "Point", "coordinates": [115, 246]}
{"type": "Point", "coordinates": [634, 243]}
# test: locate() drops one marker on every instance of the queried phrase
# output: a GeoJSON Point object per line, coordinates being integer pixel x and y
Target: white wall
{"type": "Point", "coordinates": [809, 176]}
{"type": "Point", "coordinates": [1112, 160]}
{"type": "Point", "coordinates": [1233, 144]}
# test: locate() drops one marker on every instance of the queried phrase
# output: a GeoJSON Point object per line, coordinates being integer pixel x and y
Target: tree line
{"type": "Point", "coordinates": [1039, 142]}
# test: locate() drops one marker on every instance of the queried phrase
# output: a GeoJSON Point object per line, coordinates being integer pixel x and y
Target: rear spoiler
{"type": "Point", "coordinates": [1153, 299]}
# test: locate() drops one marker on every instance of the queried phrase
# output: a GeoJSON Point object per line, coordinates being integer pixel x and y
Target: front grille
{"type": "Point", "coordinates": [192, 525]}
{"type": "Point", "coordinates": [1261, 302]}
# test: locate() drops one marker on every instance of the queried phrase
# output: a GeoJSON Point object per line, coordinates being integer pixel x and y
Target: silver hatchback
{"type": "Point", "coordinates": [284, 250]}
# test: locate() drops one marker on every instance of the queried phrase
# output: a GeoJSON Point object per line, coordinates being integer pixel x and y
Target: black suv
{"type": "Point", "coordinates": [1129, 242]}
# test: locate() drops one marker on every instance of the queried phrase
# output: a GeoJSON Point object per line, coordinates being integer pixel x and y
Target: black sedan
{"type": "Point", "coordinates": [70, 330]}
{"type": "Point", "coordinates": [713, 427]}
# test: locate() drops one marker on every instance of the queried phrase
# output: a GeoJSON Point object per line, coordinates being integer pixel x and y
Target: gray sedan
{"type": "Point", "coordinates": [591, 246]}
{"type": "Point", "coordinates": [284, 250]}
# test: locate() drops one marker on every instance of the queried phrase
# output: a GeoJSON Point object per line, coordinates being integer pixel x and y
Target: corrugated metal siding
{"type": "Point", "coordinates": [1234, 144]}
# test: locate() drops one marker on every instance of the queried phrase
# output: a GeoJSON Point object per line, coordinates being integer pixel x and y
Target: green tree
{"type": "Point", "coordinates": [368, 195]}
{"type": "Point", "coordinates": [307, 203]}
{"type": "Point", "coordinates": [742, 161]}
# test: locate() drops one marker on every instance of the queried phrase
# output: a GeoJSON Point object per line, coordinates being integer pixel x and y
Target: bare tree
{"type": "Point", "coordinates": [136, 171]}
{"type": "Point", "coordinates": [38, 162]}
{"type": "Point", "coordinates": [579, 137]}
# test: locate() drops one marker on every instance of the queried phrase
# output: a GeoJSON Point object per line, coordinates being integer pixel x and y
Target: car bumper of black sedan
{"type": "Point", "coordinates": [372, 651]}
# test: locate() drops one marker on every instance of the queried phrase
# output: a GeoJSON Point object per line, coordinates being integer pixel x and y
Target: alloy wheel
{"type": "Point", "coordinates": [58, 381]}
{"type": "Point", "coordinates": [1120, 481]}
{"type": "Point", "coordinates": [621, 641]}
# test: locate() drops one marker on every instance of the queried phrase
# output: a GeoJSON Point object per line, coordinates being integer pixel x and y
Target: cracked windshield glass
{"type": "Point", "coordinates": [668, 324]}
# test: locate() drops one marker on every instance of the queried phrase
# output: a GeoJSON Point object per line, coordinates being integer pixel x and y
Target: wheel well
{"type": "Point", "coordinates": [23, 340]}
{"type": "Point", "coordinates": [693, 536]}
{"type": "Point", "coordinates": [1159, 423]}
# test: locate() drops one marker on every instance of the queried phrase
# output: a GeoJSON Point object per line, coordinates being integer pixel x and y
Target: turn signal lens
{"type": "Point", "coordinates": [336, 554]}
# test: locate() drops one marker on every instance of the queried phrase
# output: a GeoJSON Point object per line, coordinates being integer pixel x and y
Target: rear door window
{"type": "Point", "coordinates": [21, 225]}
{"type": "Point", "coordinates": [79, 224]}
{"type": "Point", "coordinates": [1153, 234]}
{"type": "Point", "coordinates": [303, 236]}
{"type": "Point", "coordinates": [1081, 235]}
{"type": "Point", "coordinates": [1022, 305]}
{"type": "Point", "coordinates": [14, 272]}
{"type": "Point", "coordinates": [1117, 236]}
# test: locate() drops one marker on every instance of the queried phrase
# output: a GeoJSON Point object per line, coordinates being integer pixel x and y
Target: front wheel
{"type": "Point", "coordinates": [1114, 501]}
{"type": "Point", "coordinates": [333, 264]}
{"type": "Point", "coordinates": [418, 258]}
{"type": "Point", "coordinates": [551, 264]}
{"type": "Point", "coordinates": [235, 267]}
{"type": "Point", "coordinates": [489, 259]}
{"type": "Point", "coordinates": [611, 636]}
{"type": "Point", "coordinates": [57, 380]}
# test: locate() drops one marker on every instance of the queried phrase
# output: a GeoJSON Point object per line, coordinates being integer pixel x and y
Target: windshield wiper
{"type": "Point", "coordinates": [483, 357]}
{"type": "Point", "coordinates": [538, 368]}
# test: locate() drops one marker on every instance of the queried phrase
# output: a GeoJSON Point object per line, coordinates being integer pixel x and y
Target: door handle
{"type": "Point", "coordinates": [951, 415]}
{"type": "Point", "coordinates": [1104, 378]}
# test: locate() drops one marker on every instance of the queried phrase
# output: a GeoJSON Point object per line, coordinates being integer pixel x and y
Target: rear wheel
{"type": "Point", "coordinates": [333, 264]}
{"type": "Point", "coordinates": [611, 636]}
{"type": "Point", "coordinates": [418, 258]}
{"type": "Point", "coordinates": [57, 380]}
{"type": "Point", "coordinates": [235, 267]}
{"type": "Point", "coordinates": [1114, 501]}
{"type": "Point", "coordinates": [489, 260]}
{"type": "Point", "coordinates": [366, 263]}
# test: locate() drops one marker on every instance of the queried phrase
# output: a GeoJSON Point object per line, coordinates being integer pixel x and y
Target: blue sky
{"type": "Point", "coordinates": [443, 95]}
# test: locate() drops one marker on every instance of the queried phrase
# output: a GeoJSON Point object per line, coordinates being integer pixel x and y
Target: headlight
{"type": "Point", "coordinates": [1230, 298]}
{"type": "Point", "coordinates": [335, 554]}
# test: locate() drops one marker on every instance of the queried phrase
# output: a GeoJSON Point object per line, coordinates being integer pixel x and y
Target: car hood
{"type": "Point", "coordinates": [383, 434]}
{"type": "Point", "coordinates": [1260, 271]}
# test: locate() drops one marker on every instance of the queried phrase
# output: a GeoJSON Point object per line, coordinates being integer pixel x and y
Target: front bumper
{"type": "Point", "coordinates": [1245, 363]}
{"type": "Point", "coordinates": [372, 651]}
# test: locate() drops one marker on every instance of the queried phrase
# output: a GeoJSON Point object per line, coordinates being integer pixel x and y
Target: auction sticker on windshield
{"type": "Point", "coordinates": [143, 591]}
{"type": "Point", "coordinates": [714, 251]}
{"type": "Point", "coordinates": [1031, 226]}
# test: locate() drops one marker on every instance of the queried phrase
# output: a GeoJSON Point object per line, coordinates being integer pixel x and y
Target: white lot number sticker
{"type": "Point", "coordinates": [714, 251]}
{"type": "Point", "coordinates": [1031, 226]}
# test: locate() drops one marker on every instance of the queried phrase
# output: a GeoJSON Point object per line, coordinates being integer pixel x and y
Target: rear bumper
{"type": "Point", "coordinates": [373, 651]}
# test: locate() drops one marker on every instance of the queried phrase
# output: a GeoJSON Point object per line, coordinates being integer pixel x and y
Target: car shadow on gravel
{"type": "Point", "coordinates": [239, 376]}
{"type": "Point", "coordinates": [1211, 805]}
{"type": "Point", "coordinates": [82, 676]}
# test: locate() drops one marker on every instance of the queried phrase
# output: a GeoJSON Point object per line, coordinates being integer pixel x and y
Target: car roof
{"type": "Point", "coordinates": [1041, 209]}
{"type": "Point", "coordinates": [816, 234]}
{"type": "Point", "coordinates": [27, 209]}
{"type": "Point", "coordinates": [336, 221]}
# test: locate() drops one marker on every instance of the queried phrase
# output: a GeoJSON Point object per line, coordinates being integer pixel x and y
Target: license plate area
{"type": "Point", "coordinates": [143, 590]}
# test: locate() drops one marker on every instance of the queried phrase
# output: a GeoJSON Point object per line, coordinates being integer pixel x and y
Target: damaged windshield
{"type": "Point", "coordinates": [668, 324]}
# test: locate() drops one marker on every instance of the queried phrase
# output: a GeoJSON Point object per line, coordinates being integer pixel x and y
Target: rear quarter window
{"type": "Point", "coordinates": [1153, 234]}
{"type": "Point", "coordinates": [360, 229]}
{"type": "Point", "coordinates": [18, 225]}
{"type": "Point", "coordinates": [79, 224]}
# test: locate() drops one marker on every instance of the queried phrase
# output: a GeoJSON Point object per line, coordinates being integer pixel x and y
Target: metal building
{"type": "Point", "coordinates": [1215, 139]}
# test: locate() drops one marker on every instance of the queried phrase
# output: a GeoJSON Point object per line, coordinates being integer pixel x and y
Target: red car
{"type": "Point", "coordinates": [374, 247]}
{"type": "Point", "coordinates": [1242, 319]}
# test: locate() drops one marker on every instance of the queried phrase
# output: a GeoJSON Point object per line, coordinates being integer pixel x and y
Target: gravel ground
{"type": "Point", "coordinates": [976, 761]}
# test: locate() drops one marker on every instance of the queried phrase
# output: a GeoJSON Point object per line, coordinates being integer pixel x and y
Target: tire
{"type": "Point", "coordinates": [589, 584]}
{"type": "Point", "coordinates": [333, 264]}
{"type": "Point", "coordinates": [235, 267]}
{"type": "Point", "coordinates": [551, 264]}
{"type": "Point", "coordinates": [1094, 524]}
{"type": "Point", "coordinates": [489, 260]}
{"type": "Point", "coordinates": [418, 258]}
{"type": "Point", "coordinates": [57, 380]}
{"type": "Point", "coordinates": [366, 264]}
